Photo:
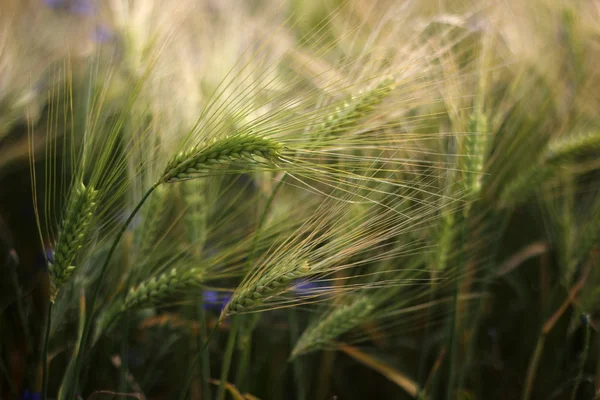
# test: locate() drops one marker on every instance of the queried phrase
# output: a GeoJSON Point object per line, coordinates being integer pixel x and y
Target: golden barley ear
{"type": "Point", "coordinates": [199, 160]}
{"type": "Point", "coordinates": [339, 321]}
{"type": "Point", "coordinates": [72, 236]}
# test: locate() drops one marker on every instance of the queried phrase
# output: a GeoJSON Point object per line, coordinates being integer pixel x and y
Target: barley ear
{"type": "Point", "coordinates": [156, 289]}
{"type": "Point", "coordinates": [359, 106]}
{"type": "Point", "coordinates": [522, 187]}
{"type": "Point", "coordinates": [341, 320]}
{"type": "Point", "coordinates": [570, 149]}
{"type": "Point", "coordinates": [255, 292]}
{"type": "Point", "coordinates": [72, 236]}
{"type": "Point", "coordinates": [475, 151]}
{"type": "Point", "coordinates": [558, 153]}
{"type": "Point", "coordinates": [201, 159]}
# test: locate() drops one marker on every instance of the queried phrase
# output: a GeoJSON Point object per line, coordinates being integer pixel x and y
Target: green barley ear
{"type": "Point", "coordinates": [339, 321]}
{"type": "Point", "coordinates": [199, 160]}
{"type": "Point", "coordinates": [558, 153]}
{"type": "Point", "coordinates": [570, 149]}
{"type": "Point", "coordinates": [253, 293]}
{"type": "Point", "coordinates": [475, 150]}
{"type": "Point", "coordinates": [523, 186]}
{"type": "Point", "coordinates": [156, 289]}
{"type": "Point", "coordinates": [359, 106]}
{"type": "Point", "coordinates": [72, 236]}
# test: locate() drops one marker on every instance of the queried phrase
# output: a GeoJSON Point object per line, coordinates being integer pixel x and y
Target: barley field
{"type": "Point", "coordinates": [297, 200]}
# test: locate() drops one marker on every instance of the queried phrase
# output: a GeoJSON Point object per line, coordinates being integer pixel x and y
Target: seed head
{"type": "Point", "coordinates": [72, 236]}
{"type": "Point", "coordinates": [201, 159]}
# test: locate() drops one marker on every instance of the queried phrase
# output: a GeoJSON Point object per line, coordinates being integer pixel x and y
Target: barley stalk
{"type": "Point", "coordinates": [152, 291]}
{"type": "Point", "coordinates": [341, 320]}
{"type": "Point", "coordinates": [255, 292]}
{"type": "Point", "coordinates": [199, 160]}
{"type": "Point", "coordinates": [72, 236]}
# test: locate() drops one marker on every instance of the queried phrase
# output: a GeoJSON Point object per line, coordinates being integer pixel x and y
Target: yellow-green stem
{"type": "Point", "coordinates": [45, 369]}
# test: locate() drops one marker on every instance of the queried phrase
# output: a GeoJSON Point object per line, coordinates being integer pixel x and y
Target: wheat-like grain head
{"type": "Point", "coordinates": [337, 322]}
{"type": "Point", "coordinates": [254, 293]}
{"type": "Point", "coordinates": [201, 159]}
{"type": "Point", "coordinates": [72, 236]}
{"type": "Point", "coordinates": [154, 290]}
{"type": "Point", "coordinates": [359, 106]}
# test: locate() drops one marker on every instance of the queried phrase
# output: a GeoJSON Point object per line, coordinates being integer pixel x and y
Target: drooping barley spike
{"type": "Point", "coordinates": [558, 153]}
{"type": "Point", "coordinates": [255, 292]}
{"type": "Point", "coordinates": [524, 185]}
{"type": "Point", "coordinates": [345, 117]}
{"type": "Point", "coordinates": [156, 289]}
{"type": "Point", "coordinates": [572, 148]}
{"type": "Point", "coordinates": [199, 160]}
{"type": "Point", "coordinates": [72, 236]}
{"type": "Point", "coordinates": [339, 321]}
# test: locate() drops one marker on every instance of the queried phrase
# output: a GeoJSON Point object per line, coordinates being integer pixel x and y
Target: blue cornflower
{"type": "Point", "coordinates": [102, 34]}
{"type": "Point", "coordinates": [77, 7]}
{"type": "Point", "coordinates": [305, 287]}
{"type": "Point", "coordinates": [44, 257]}
{"type": "Point", "coordinates": [27, 395]}
{"type": "Point", "coordinates": [214, 300]}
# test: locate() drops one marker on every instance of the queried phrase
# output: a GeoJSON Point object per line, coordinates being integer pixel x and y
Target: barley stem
{"type": "Point", "coordinates": [233, 330]}
{"type": "Point", "coordinates": [45, 369]}
{"type": "Point", "coordinates": [202, 337]}
{"type": "Point", "coordinates": [299, 375]}
{"type": "Point", "coordinates": [586, 348]}
{"type": "Point", "coordinates": [104, 268]}
{"type": "Point", "coordinates": [533, 364]}
{"type": "Point", "coordinates": [190, 376]}
{"type": "Point", "coordinates": [455, 320]}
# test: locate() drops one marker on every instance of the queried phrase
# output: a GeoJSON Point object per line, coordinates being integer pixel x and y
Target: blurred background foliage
{"type": "Point", "coordinates": [504, 99]}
